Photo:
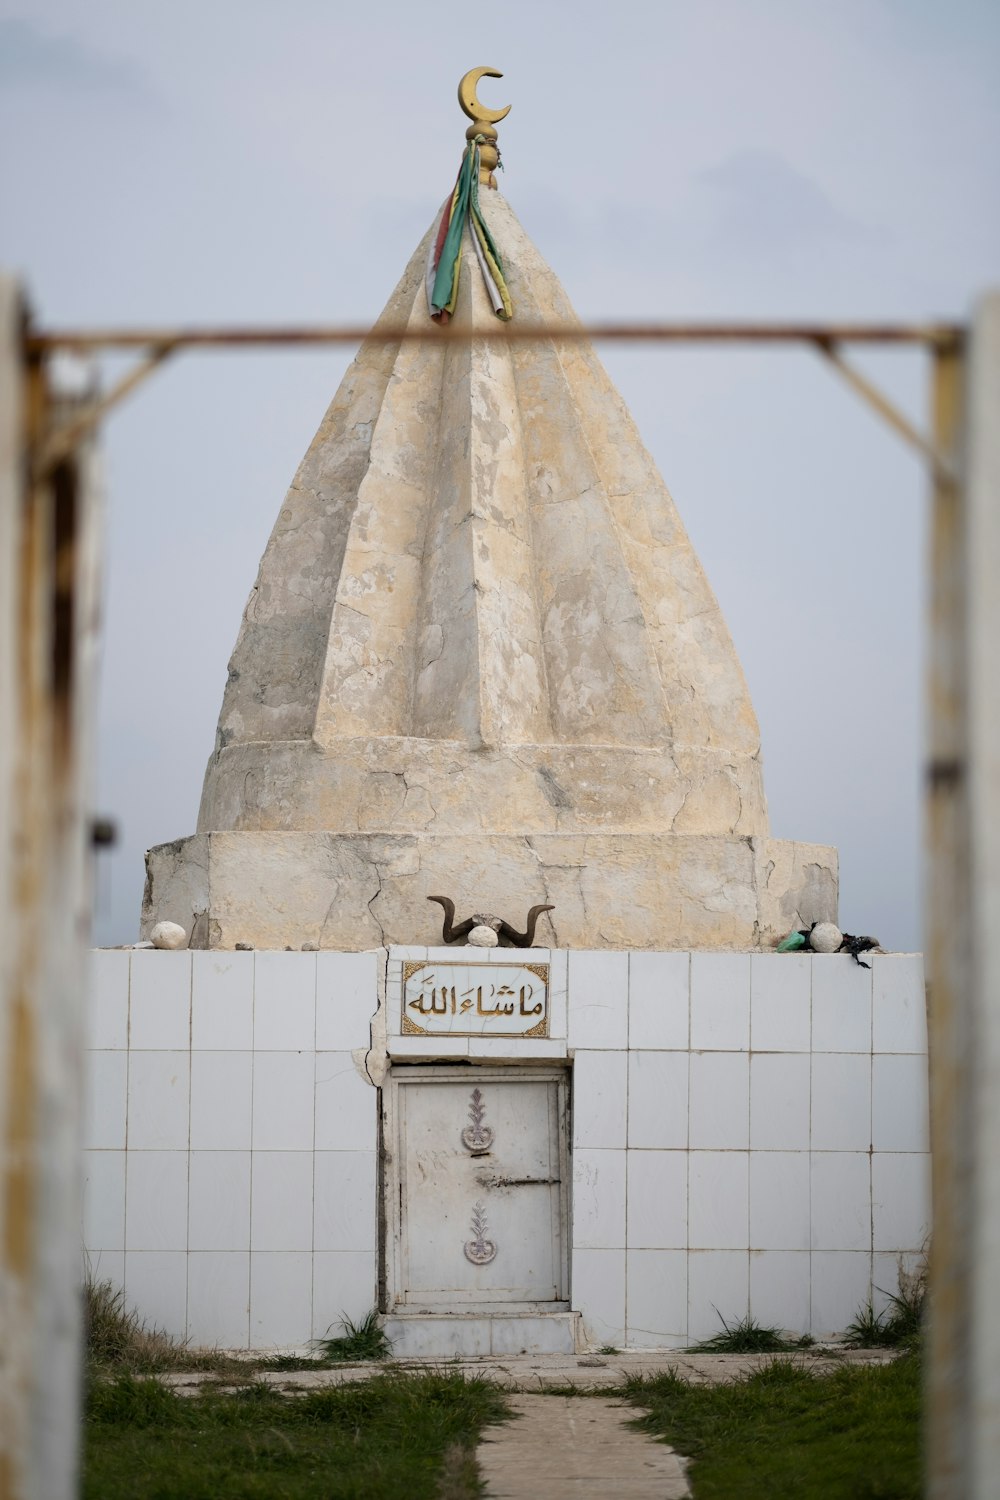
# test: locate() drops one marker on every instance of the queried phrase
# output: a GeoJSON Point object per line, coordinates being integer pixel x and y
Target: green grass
{"type": "Point", "coordinates": [897, 1326]}
{"type": "Point", "coordinates": [359, 1341]}
{"type": "Point", "coordinates": [386, 1437]}
{"type": "Point", "coordinates": [116, 1338]}
{"type": "Point", "coordinates": [749, 1337]}
{"type": "Point", "coordinates": [783, 1432]}
{"type": "Point", "coordinates": [119, 1342]}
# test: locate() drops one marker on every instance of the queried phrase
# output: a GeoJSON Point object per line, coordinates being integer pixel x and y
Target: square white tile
{"type": "Point", "coordinates": [219, 1299]}
{"type": "Point", "coordinates": [899, 1005]}
{"type": "Point", "coordinates": [600, 1098]}
{"type": "Point", "coordinates": [720, 1101]}
{"type": "Point", "coordinates": [779, 1201]}
{"type": "Point", "coordinates": [158, 1100]}
{"type": "Point", "coordinates": [104, 1101]}
{"type": "Point", "coordinates": [656, 1200]}
{"type": "Point", "coordinates": [156, 1200]}
{"type": "Point", "coordinates": [599, 1199]}
{"type": "Point", "coordinates": [103, 1200]}
{"type": "Point", "coordinates": [841, 1004]}
{"type": "Point", "coordinates": [106, 1265]}
{"type": "Point", "coordinates": [219, 1201]}
{"type": "Point", "coordinates": [346, 1105]}
{"type": "Point", "coordinates": [107, 999]}
{"type": "Point", "coordinates": [284, 1090]}
{"type": "Point", "coordinates": [598, 999]}
{"type": "Point", "coordinates": [840, 1285]}
{"type": "Point", "coordinates": [656, 1302]}
{"type": "Point", "coordinates": [280, 1300]}
{"type": "Point", "coordinates": [718, 1200]}
{"type": "Point", "coordinates": [599, 1295]}
{"type": "Point", "coordinates": [345, 1203]}
{"type": "Point", "coordinates": [901, 1200]}
{"type": "Point", "coordinates": [887, 1267]}
{"type": "Point", "coordinates": [718, 1288]}
{"type": "Point", "coordinates": [658, 994]}
{"type": "Point", "coordinates": [284, 1002]}
{"type": "Point", "coordinates": [346, 1000]}
{"type": "Point", "coordinates": [156, 1286]}
{"type": "Point", "coordinates": [343, 1287]}
{"type": "Point", "coordinates": [222, 1000]}
{"type": "Point", "coordinates": [281, 1214]}
{"type": "Point", "coordinates": [841, 1102]}
{"type": "Point", "coordinates": [779, 1101]}
{"type": "Point", "coordinates": [658, 1100]}
{"type": "Point", "coordinates": [780, 1005]}
{"type": "Point", "coordinates": [720, 1001]}
{"type": "Point", "coordinates": [160, 1000]}
{"type": "Point", "coordinates": [900, 1107]}
{"type": "Point", "coordinates": [840, 1187]}
{"type": "Point", "coordinates": [221, 1093]}
{"type": "Point", "coordinates": [779, 1289]}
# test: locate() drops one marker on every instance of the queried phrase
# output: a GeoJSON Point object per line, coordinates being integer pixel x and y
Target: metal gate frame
{"type": "Point", "coordinates": [962, 818]}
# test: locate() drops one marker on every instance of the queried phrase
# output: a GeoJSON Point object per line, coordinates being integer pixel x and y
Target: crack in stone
{"type": "Point", "coordinates": [374, 916]}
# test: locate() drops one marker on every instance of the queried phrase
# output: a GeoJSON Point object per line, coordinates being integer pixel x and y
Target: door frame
{"type": "Point", "coordinates": [405, 1075]}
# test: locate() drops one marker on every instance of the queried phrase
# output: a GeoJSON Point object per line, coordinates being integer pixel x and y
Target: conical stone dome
{"type": "Point", "coordinates": [481, 658]}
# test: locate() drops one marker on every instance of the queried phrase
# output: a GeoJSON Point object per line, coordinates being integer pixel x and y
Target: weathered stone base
{"type": "Point", "coordinates": [355, 891]}
{"type": "Point", "coordinates": [399, 784]}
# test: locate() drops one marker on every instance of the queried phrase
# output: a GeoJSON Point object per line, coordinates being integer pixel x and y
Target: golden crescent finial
{"type": "Point", "coordinates": [470, 104]}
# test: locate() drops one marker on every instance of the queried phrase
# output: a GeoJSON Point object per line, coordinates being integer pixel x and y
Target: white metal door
{"type": "Point", "coordinates": [478, 1196]}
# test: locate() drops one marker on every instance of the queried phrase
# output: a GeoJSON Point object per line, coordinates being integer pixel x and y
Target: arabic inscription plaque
{"type": "Point", "coordinates": [455, 999]}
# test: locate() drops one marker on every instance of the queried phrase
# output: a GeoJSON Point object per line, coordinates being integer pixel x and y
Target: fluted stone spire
{"type": "Point", "coordinates": [478, 559]}
{"type": "Point", "coordinates": [481, 656]}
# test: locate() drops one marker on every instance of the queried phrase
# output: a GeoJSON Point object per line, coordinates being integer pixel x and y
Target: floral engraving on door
{"type": "Point", "coordinates": [477, 1137]}
{"type": "Point", "coordinates": [480, 1250]}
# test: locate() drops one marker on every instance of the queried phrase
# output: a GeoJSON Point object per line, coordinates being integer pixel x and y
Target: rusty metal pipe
{"type": "Point", "coordinates": [929, 335]}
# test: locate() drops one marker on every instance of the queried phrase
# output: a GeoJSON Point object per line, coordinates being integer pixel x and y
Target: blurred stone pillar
{"type": "Point", "coordinates": [48, 622]}
{"type": "Point", "coordinates": [963, 921]}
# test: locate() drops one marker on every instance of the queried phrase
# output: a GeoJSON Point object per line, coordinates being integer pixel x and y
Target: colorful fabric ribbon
{"type": "Point", "coordinates": [444, 260]}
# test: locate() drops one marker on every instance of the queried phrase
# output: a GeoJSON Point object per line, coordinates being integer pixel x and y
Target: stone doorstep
{"type": "Point", "coordinates": [421, 1335]}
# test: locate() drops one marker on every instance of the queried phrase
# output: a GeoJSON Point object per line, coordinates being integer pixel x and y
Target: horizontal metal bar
{"type": "Point", "coordinates": [935, 335]}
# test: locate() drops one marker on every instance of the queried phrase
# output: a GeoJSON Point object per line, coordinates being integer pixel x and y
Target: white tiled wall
{"type": "Point", "coordinates": [749, 1134]}
{"type": "Point", "coordinates": [776, 1134]}
{"type": "Point", "coordinates": [230, 1141]}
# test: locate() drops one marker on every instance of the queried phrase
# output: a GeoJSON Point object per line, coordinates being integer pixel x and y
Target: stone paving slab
{"type": "Point", "coordinates": [568, 1449]}
{"type": "Point", "coordinates": [532, 1373]}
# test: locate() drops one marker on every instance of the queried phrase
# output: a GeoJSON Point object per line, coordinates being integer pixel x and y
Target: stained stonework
{"type": "Point", "coordinates": [351, 892]}
{"type": "Point", "coordinates": [481, 657]}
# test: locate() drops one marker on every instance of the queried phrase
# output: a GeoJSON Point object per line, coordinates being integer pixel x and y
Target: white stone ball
{"type": "Point", "coordinates": [168, 935]}
{"type": "Point", "coordinates": [825, 937]}
{"type": "Point", "coordinates": [483, 937]}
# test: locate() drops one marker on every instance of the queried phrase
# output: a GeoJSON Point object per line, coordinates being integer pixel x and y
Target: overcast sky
{"type": "Point", "coordinates": [254, 161]}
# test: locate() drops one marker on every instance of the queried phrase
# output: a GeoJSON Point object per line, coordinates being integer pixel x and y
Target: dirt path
{"type": "Point", "coordinates": [568, 1448]}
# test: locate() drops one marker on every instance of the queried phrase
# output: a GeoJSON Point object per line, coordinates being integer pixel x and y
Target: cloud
{"type": "Point", "coordinates": [761, 201]}
{"type": "Point", "coordinates": [30, 59]}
